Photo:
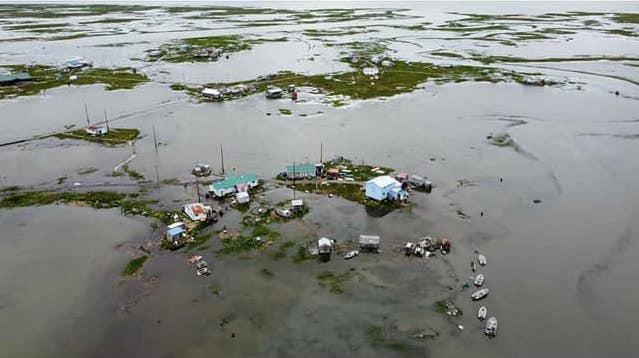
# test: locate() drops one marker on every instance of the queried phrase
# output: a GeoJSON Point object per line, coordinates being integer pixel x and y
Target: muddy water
{"type": "Point", "coordinates": [53, 259]}
{"type": "Point", "coordinates": [561, 271]}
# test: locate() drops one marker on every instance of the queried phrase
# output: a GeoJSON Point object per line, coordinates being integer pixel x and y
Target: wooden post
{"type": "Point", "coordinates": [86, 111]}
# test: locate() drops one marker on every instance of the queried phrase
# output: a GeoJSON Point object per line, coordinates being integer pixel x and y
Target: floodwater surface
{"type": "Point", "coordinates": [555, 213]}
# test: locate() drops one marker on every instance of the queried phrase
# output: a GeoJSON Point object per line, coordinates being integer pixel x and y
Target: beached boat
{"type": "Point", "coordinates": [491, 327]}
{"type": "Point", "coordinates": [204, 271]}
{"type": "Point", "coordinates": [479, 294]}
{"type": "Point", "coordinates": [351, 254]}
{"type": "Point", "coordinates": [481, 259]}
{"type": "Point", "coordinates": [479, 280]}
{"type": "Point", "coordinates": [481, 314]}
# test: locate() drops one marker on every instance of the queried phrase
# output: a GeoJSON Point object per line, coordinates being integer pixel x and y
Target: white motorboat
{"type": "Point", "coordinates": [491, 327]}
{"type": "Point", "coordinates": [481, 259]}
{"type": "Point", "coordinates": [479, 280]}
{"type": "Point", "coordinates": [351, 254]}
{"type": "Point", "coordinates": [479, 294]}
{"type": "Point", "coordinates": [204, 271]}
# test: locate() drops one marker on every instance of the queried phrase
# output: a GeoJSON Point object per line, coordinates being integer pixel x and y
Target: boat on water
{"type": "Point", "coordinates": [479, 280]}
{"type": "Point", "coordinates": [479, 294]}
{"type": "Point", "coordinates": [193, 259]}
{"type": "Point", "coordinates": [204, 271]}
{"type": "Point", "coordinates": [201, 264]}
{"type": "Point", "coordinates": [481, 314]}
{"type": "Point", "coordinates": [491, 327]}
{"type": "Point", "coordinates": [473, 266]}
{"type": "Point", "coordinates": [482, 259]}
{"type": "Point", "coordinates": [351, 254]}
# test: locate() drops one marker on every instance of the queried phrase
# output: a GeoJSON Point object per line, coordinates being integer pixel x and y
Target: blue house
{"type": "Point", "coordinates": [385, 187]}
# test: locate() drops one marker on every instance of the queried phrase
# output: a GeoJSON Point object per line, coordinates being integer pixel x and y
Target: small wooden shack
{"type": "Point", "coordinates": [369, 243]}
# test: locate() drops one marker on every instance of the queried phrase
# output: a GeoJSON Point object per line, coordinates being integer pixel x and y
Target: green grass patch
{"type": "Point", "coordinates": [627, 18]}
{"type": "Point", "coordinates": [134, 266]}
{"type": "Point", "coordinates": [282, 250]}
{"type": "Point", "coordinates": [377, 338]}
{"type": "Point", "coordinates": [403, 77]}
{"type": "Point", "coordinates": [352, 192]}
{"type": "Point", "coordinates": [115, 136]}
{"type": "Point", "coordinates": [48, 77]}
{"type": "Point", "coordinates": [87, 171]}
{"type": "Point", "coordinates": [335, 282]}
{"type": "Point", "coordinates": [238, 244]}
{"type": "Point", "coordinates": [132, 173]}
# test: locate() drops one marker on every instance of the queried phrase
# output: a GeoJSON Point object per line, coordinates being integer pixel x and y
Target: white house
{"type": "Point", "coordinates": [370, 71]}
{"type": "Point", "coordinates": [384, 187]}
{"type": "Point", "coordinates": [212, 93]}
{"type": "Point", "coordinates": [96, 130]}
{"type": "Point", "coordinates": [242, 197]}
{"type": "Point", "coordinates": [198, 211]}
{"type": "Point", "coordinates": [274, 92]}
{"type": "Point", "coordinates": [324, 245]}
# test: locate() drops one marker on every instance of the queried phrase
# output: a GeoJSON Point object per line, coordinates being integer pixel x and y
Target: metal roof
{"type": "Point", "coordinates": [175, 231]}
{"type": "Point", "coordinates": [301, 168]}
{"type": "Point", "coordinates": [232, 180]}
{"type": "Point", "coordinates": [21, 76]}
{"type": "Point", "coordinates": [383, 181]}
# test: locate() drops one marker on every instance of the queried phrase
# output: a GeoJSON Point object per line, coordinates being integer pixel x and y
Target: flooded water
{"type": "Point", "coordinates": [556, 214]}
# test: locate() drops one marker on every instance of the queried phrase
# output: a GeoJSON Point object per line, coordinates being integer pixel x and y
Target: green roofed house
{"type": "Point", "coordinates": [304, 170]}
{"type": "Point", "coordinates": [232, 184]}
{"type": "Point", "coordinates": [10, 79]}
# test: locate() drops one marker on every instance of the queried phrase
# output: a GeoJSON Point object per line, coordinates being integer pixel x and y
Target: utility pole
{"type": "Point", "coordinates": [197, 187]}
{"type": "Point", "coordinates": [155, 139]}
{"type": "Point", "coordinates": [222, 158]}
{"type": "Point", "coordinates": [86, 111]}
{"type": "Point", "coordinates": [106, 120]}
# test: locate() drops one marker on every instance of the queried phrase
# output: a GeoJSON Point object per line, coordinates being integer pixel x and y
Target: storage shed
{"type": "Point", "coordinates": [369, 243]}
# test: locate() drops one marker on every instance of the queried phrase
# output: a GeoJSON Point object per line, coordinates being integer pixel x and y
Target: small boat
{"type": "Point", "coordinates": [481, 314]}
{"type": "Point", "coordinates": [479, 294]}
{"type": "Point", "coordinates": [479, 280]}
{"type": "Point", "coordinates": [351, 254]}
{"type": "Point", "coordinates": [482, 259]}
{"type": "Point", "coordinates": [201, 264]}
{"type": "Point", "coordinates": [204, 271]}
{"type": "Point", "coordinates": [491, 327]}
{"type": "Point", "coordinates": [473, 266]}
